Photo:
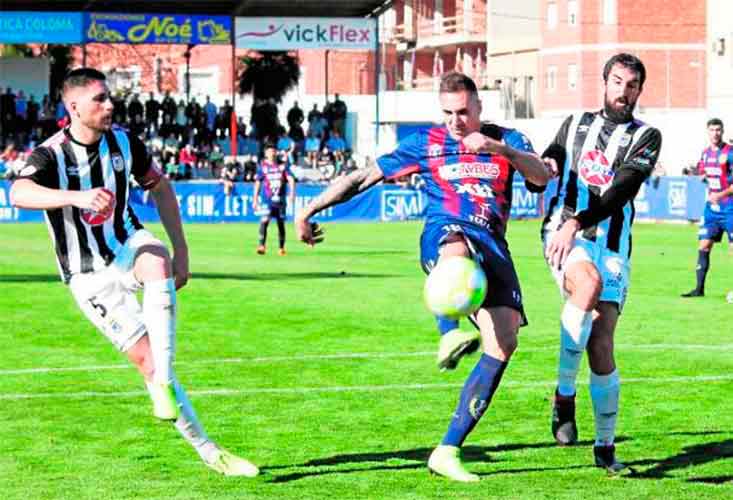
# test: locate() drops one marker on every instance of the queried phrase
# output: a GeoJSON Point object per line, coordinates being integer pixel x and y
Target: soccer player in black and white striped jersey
{"type": "Point", "coordinates": [80, 178]}
{"type": "Point", "coordinates": [601, 159]}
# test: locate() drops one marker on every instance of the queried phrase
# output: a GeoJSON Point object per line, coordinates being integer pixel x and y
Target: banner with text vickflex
{"type": "Point", "coordinates": [291, 33]}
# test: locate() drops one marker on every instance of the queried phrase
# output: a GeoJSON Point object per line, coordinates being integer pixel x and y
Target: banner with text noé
{"type": "Point", "coordinates": [292, 33]}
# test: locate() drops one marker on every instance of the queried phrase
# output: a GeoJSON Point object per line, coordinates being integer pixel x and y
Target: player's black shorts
{"type": "Point", "coordinates": [275, 211]}
{"type": "Point", "coordinates": [490, 252]}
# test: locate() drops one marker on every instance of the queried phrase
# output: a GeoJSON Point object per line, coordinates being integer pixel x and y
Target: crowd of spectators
{"type": "Point", "coordinates": [189, 140]}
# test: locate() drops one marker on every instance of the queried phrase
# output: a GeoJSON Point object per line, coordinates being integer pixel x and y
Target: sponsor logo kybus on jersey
{"type": "Point", "coordinates": [594, 169]}
{"type": "Point", "coordinates": [476, 170]}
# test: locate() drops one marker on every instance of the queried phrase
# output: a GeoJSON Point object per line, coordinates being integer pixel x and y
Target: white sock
{"type": "Point", "coordinates": [575, 328]}
{"type": "Point", "coordinates": [604, 392]}
{"type": "Point", "coordinates": [159, 313]}
{"type": "Point", "coordinates": [190, 427]}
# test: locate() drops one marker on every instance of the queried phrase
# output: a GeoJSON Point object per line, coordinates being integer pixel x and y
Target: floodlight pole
{"type": "Point", "coordinates": [187, 55]}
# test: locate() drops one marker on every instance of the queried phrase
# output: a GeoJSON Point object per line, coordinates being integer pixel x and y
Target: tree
{"type": "Point", "coordinates": [268, 76]}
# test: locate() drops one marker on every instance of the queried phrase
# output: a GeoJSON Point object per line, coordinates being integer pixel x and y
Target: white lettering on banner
{"type": "Point", "coordinates": [475, 170]}
{"type": "Point", "coordinates": [302, 201]}
{"type": "Point", "coordinates": [677, 198]}
{"type": "Point", "coordinates": [524, 203]}
{"type": "Point", "coordinates": [200, 206]}
{"type": "Point", "coordinates": [7, 212]}
{"type": "Point", "coordinates": [401, 205]}
{"type": "Point", "coordinates": [237, 206]}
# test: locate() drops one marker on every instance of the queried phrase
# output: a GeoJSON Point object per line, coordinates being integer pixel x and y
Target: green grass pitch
{"type": "Point", "coordinates": [319, 367]}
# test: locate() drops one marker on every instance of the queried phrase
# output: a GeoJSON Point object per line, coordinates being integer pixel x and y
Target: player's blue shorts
{"type": "Point", "coordinates": [490, 252]}
{"type": "Point", "coordinates": [714, 224]}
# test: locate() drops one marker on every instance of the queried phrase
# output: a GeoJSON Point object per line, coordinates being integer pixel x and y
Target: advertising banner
{"type": "Point", "coordinates": [290, 33]}
{"type": "Point", "coordinates": [41, 27]}
{"type": "Point", "coordinates": [158, 28]}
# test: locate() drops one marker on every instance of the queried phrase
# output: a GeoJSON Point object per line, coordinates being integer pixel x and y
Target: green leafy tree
{"type": "Point", "coordinates": [268, 76]}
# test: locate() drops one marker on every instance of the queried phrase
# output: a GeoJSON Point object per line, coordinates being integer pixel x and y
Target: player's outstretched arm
{"type": "Point", "coordinates": [170, 216]}
{"type": "Point", "coordinates": [26, 193]}
{"type": "Point", "coordinates": [342, 189]}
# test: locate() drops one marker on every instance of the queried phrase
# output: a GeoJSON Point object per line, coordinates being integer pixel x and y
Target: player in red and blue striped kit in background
{"type": "Point", "coordinates": [272, 181]}
{"type": "Point", "coordinates": [468, 169]}
{"type": "Point", "coordinates": [716, 165]}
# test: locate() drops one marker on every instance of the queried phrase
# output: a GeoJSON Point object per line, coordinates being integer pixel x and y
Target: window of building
{"type": "Point", "coordinates": [552, 15]}
{"type": "Point", "coordinates": [126, 80]}
{"type": "Point", "coordinates": [551, 79]}
{"type": "Point", "coordinates": [609, 12]}
{"type": "Point", "coordinates": [572, 12]}
{"type": "Point", "coordinates": [572, 76]}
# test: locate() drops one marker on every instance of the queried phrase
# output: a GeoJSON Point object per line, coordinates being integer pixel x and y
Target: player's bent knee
{"type": "Point", "coordinates": [142, 357]}
{"type": "Point", "coordinates": [152, 262]}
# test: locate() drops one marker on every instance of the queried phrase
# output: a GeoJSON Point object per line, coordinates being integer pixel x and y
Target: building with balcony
{"type": "Point", "coordinates": [578, 36]}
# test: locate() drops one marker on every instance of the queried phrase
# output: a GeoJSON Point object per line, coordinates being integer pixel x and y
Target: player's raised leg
{"type": "Point", "coordinates": [454, 343]}
{"type": "Point", "coordinates": [187, 422]}
{"type": "Point", "coordinates": [499, 327]}
{"type": "Point", "coordinates": [583, 283]}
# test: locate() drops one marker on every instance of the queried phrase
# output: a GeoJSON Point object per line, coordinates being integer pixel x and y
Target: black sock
{"type": "Point", "coordinates": [703, 264]}
{"type": "Point", "coordinates": [281, 232]}
{"type": "Point", "coordinates": [263, 232]}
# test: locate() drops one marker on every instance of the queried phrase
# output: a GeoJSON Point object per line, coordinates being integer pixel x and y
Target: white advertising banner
{"type": "Point", "coordinates": [291, 33]}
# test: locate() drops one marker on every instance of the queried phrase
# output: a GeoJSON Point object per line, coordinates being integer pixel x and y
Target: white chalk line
{"type": "Point", "coordinates": [352, 355]}
{"type": "Point", "coordinates": [353, 388]}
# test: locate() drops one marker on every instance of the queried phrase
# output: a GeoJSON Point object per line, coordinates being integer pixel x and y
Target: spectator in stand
{"type": "Point", "coordinates": [319, 126]}
{"type": "Point", "coordinates": [337, 145]}
{"type": "Point", "coordinates": [167, 127]}
{"type": "Point", "coordinates": [21, 115]}
{"type": "Point", "coordinates": [228, 177]}
{"type": "Point", "coordinates": [210, 111]}
{"type": "Point", "coordinates": [7, 103]}
{"type": "Point", "coordinates": [186, 162]}
{"type": "Point", "coordinates": [152, 113]}
{"type": "Point", "coordinates": [216, 159]}
{"type": "Point", "coordinates": [224, 119]}
{"type": "Point", "coordinates": [313, 114]}
{"type": "Point", "coordinates": [119, 112]}
{"type": "Point", "coordinates": [169, 107]}
{"type": "Point", "coordinates": [312, 147]}
{"type": "Point", "coordinates": [181, 118]}
{"type": "Point", "coordinates": [193, 113]}
{"type": "Point", "coordinates": [285, 148]}
{"type": "Point", "coordinates": [339, 111]}
{"type": "Point", "coordinates": [135, 109]}
{"type": "Point", "coordinates": [295, 116]}
{"type": "Point", "coordinates": [170, 148]}
{"type": "Point", "coordinates": [33, 114]}
{"type": "Point", "coordinates": [9, 155]}
{"type": "Point", "coordinates": [328, 115]}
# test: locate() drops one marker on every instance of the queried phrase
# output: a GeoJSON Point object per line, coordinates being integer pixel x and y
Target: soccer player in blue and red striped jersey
{"type": "Point", "coordinates": [272, 181]}
{"type": "Point", "coordinates": [468, 168]}
{"type": "Point", "coordinates": [716, 165]}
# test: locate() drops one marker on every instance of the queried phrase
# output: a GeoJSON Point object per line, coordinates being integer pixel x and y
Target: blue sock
{"type": "Point", "coordinates": [445, 324]}
{"type": "Point", "coordinates": [475, 399]}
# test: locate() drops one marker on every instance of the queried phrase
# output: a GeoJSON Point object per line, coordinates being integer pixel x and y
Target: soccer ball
{"type": "Point", "coordinates": [729, 297]}
{"type": "Point", "coordinates": [456, 287]}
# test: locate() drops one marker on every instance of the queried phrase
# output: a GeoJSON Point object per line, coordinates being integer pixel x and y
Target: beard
{"type": "Point", "coordinates": [619, 115]}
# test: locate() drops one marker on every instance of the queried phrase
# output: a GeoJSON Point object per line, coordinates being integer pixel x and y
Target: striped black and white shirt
{"type": "Point", "coordinates": [63, 163]}
{"type": "Point", "coordinates": [601, 164]}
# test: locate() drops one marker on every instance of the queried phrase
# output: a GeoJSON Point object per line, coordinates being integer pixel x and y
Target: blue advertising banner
{"type": "Point", "coordinates": [666, 198]}
{"type": "Point", "coordinates": [41, 27]}
{"type": "Point", "coordinates": [158, 28]}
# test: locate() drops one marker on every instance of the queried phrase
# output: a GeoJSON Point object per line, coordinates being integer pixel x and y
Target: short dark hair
{"type": "Point", "coordinates": [627, 61]}
{"type": "Point", "coordinates": [269, 145]}
{"type": "Point", "coordinates": [81, 77]}
{"type": "Point", "coordinates": [715, 121]}
{"type": "Point", "coordinates": [453, 81]}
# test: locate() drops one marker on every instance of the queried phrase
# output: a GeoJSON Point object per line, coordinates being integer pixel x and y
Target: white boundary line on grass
{"type": "Point", "coordinates": [351, 355]}
{"type": "Point", "coordinates": [354, 388]}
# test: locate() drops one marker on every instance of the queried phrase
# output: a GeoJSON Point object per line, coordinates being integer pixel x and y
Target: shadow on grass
{"type": "Point", "coordinates": [690, 456]}
{"type": "Point", "coordinates": [392, 460]}
{"type": "Point", "coordinates": [711, 480]}
{"type": "Point", "coordinates": [289, 276]}
{"type": "Point", "coordinates": [30, 278]}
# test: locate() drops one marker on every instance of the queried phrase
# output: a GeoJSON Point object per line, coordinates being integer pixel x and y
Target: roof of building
{"type": "Point", "coordinates": [267, 8]}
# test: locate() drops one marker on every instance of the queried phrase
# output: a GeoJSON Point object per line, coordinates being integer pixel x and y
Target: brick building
{"type": "Point", "coordinates": [579, 35]}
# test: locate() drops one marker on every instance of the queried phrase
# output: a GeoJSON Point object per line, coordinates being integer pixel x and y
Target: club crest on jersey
{"type": "Point", "coordinates": [118, 163]}
{"type": "Point", "coordinates": [435, 150]}
{"type": "Point", "coordinates": [476, 170]}
{"type": "Point", "coordinates": [594, 169]}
